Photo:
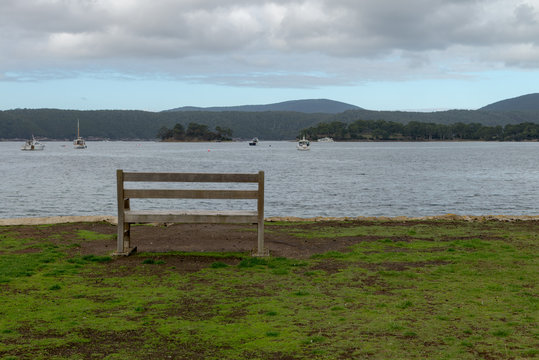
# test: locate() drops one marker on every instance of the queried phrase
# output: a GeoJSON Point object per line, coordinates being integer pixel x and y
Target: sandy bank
{"type": "Point", "coordinates": [57, 220]}
{"type": "Point", "coordinates": [405, 218]}
{"type": "Point", "coordinates": [114, 220]}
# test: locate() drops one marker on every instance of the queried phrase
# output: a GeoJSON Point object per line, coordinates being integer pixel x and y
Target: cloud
{"type": "Point", "coordinates": [279, 43]}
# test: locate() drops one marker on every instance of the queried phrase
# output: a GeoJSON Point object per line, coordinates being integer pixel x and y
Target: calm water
{"type": "Point", "coordinates": [333, 179]}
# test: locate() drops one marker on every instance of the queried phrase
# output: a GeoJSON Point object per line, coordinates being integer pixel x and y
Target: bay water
{"type": "Point", "coordinates": [332, 179]}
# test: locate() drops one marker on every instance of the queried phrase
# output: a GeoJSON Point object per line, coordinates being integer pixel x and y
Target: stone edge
{"type": "Point", "coordinates": [58, 220]}
{"type": "Point", "coordinates": [114, 220]}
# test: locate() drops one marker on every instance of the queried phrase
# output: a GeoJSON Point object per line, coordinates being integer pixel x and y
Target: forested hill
{"type": "Point", "coordinates": [269, 125]}
{"type": "Point", "coordinates": [130, 125]}
{"type": "Point", "coordinates": [483, 117]}
{"type": "Point", "coordinates": [528, 102]}
{"type": "Point", "coordinates": [309, 106]}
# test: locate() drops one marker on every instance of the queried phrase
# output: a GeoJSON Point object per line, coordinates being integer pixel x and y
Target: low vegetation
{"type": "Point", "coordinates": [194, 132]}
{"type": "Point", "coordinates": [268, 125]}
{"type": "Point", "coordinates": [410, 290]}
{"type": "Point", "coordinates": [414, 131]}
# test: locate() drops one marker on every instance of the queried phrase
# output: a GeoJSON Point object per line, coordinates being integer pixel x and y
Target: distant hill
{"type": "Point", "coordinates": [309, 106]}
{"type": "Point", "coordinates": [528, 102]}
{"type": "Point", "coordinates": [269, 125]}
{"type": "Point", "coordinates": [282, 121]}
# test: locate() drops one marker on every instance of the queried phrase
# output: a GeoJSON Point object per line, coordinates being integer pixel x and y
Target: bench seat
{"type": "Point", "coordinates": [192, 216]}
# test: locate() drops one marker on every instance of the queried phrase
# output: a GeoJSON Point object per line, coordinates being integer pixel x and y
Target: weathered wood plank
{"type": "Point", "coordinates": [206, 217]}
{"type": "Point", "coordinates": [190, 194]}
{"type": "Point", "coordinates": [260, 212]}
{"type": "Point", "coordinates": [189, 177]}
{"type": "Point", "coordinates": [121, 218]}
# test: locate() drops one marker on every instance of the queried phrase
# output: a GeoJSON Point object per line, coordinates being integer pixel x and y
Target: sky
{"type": "Point", "coordinates": [153, 55]}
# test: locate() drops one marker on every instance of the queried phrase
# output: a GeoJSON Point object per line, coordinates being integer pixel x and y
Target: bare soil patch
{"type": "Point", "coordinates": [280, 241]}
{"type": "Point", "coordinates": [191, 238]}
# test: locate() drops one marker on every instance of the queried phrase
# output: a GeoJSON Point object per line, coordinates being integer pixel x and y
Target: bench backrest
{"type": "Point", "coordinates": [124, 193]}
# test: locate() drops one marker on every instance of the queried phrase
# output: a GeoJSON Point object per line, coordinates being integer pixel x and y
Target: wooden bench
{"type": "Point", "coordinates": [126, 216]}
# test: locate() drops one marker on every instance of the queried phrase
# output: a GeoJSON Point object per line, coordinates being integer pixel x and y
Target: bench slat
{"type": "Point", "coordinates": [192, 216]}
{"type": "Point", "coordinates": [189, 194]}
{"type": "Point", "coordinates": [189, 177]}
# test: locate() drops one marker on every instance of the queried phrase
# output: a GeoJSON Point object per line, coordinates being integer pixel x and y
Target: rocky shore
{"type": "Point", "coordinates": [113, 219]}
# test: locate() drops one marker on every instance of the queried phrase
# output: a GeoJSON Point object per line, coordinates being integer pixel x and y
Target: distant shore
{"type": "Point", "coordinates": [90, 139]}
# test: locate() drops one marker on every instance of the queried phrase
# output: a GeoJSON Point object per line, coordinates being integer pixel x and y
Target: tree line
{"type": "Point", "coordinates": [419, 131]}
{"type": "Point", "coordinates": [55, 124]}
{"type": "Point", "coordinates": [194, 132]}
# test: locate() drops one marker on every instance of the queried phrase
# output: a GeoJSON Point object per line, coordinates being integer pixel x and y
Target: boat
{"type": "Point", "coordinates": [253, 142]}
{"type": "Point", "coordinates": [303, 144]}
{"type": "Point", "coordinates": [33, 145]}
{"type": "Point", "coordinates": [326, 139]}
{"type": "Point", "coordinates": [79, 142]}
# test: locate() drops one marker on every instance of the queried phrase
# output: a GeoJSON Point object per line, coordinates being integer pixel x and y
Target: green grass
{"type": "Point", "coordinates": [415, 290]}
{"type": "Point", "coordinates": [92, 235]}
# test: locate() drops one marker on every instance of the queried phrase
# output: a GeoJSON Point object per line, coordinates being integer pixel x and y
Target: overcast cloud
{"type": "Point", "coordinates": [279, 43]}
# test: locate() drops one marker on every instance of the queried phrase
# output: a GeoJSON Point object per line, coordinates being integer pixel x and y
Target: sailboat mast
{"type": "Point", "coordinates": [78, 136]}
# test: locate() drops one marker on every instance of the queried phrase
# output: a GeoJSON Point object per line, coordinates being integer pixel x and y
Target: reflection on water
{"type": "Point", "coordinates": [333, 179]}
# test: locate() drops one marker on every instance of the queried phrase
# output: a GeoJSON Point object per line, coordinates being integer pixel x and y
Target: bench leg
{"type": "Point", "coordinates": [124, 229]}
{"type": "Point", "coordinates": [124, 240]}
{"type": "Point", "coordinates": [261, 250]}
{"type": "Point", "coordinates": [120, 239]}
{"type": "Point", "coordinates": [127, 237]}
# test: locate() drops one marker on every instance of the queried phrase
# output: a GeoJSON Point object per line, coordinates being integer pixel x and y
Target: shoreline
{"type": "Point", "coordinates": [94, 139]}
{"type": "Point", "coordinates": [114, 220]}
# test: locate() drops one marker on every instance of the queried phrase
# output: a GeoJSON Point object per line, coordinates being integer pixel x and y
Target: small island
{"type": "Point", "coordinates": [195, 132]}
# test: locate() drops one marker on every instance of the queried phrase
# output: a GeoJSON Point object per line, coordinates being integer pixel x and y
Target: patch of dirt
{"type": "Point", "coordinates": [480, 237]}
{"type": "Point", "coordinates": [280, 241]}
{"type": "Point", "coordinates": [180, 263]}
{"type": "Point", "coordinates": [99, 344]}
{"type": "Point", "coordinates": [190, 238]}
{"type": "Point", "coordinates": [333, 266]}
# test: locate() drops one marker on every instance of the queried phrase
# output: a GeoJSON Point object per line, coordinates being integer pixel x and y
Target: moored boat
{"type": "Point", "coordinates": [253, 142]}
{"type": "Point", "coordinates": [303, 144]}
{"type": "Point", "coordinates": [33, 145]}
{"type": "Point", "coordinates": [326, 139]}
{"type": "Point", "coordinates": [79, 142]}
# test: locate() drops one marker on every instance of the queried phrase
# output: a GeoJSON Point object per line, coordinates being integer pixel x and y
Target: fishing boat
{"type": "Point", "coordinates": [33, 145]}
{"type": "Point", "coordinates": [303, 144]}
{"type": "Point", "coordinates": [79, 142]}
{"type": "Point", "coordinates": [253, 142]}
{"type": "Point", "coordinates": [326, 139]}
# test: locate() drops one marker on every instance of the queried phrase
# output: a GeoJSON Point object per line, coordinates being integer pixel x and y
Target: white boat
{"type": "Point", "coordinates": [254, 142]}
{"type": "Point", "coordinates": [303, 144]}
{"type": "Point", "coordinates": [79, 142]}
{"type": "Point", "coordinates": [326, 139]}
{"type": "Point", "coordinates": [33, 145]}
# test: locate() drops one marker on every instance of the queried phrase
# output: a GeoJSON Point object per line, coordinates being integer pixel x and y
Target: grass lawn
{"type": "Point", "coordinates": [434, 289]}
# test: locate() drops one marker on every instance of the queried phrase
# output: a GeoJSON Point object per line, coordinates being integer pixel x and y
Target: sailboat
{"type": "Point", "coordinates": [79, 142]}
